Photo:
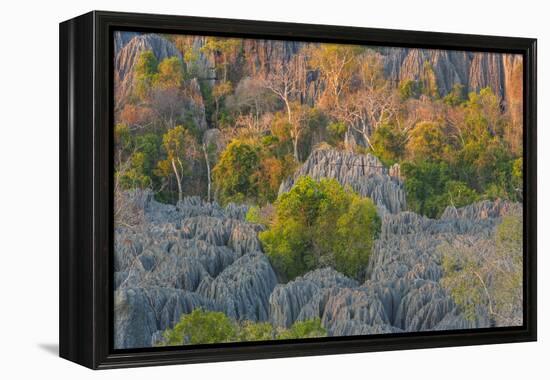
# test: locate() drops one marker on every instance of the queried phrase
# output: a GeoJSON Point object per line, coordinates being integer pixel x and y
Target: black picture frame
{"type": "Point", "coordinates": [86, 201]}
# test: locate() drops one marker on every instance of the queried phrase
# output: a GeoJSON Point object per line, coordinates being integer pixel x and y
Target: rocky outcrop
{"type": "Point", "coordinates": [140, 313]}
{"type": "Point", "coordinates": [474, 70]}
{"type": "Point", "coordinates": [513, 86]}
{"type": "Point", "coordinates": [198, 254]}
{"type": "Point", "coordinates": [402, 291]}
{"type": "Point", "coordinates": [193, 254]}
{"type": "Point", "coordinates": [126, 58]}
{"type": "Point", "coordinates": [242, 290]}
{"type": "Point", "coordinates": [122, 38]}
{"type": "Point", "coordinates": [483, 210]}
{"type": "Point", "coordinates": [365, 174]}
{"type": "Point", "coordinates": [183, 103]}
{"type": "Point", "coordinates": [287, 301]}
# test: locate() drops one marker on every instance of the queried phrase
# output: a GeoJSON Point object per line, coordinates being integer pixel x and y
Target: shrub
{"type": "Point", "coordinates": [318, 224]}
{"type": "Point", "coordinates": [233, 174]}
{"type": "Point", "coordinates": [487, 274]}
{"type": "Point", "coordinates": [388, 144]}
{"type": "Point", "coordinates": [206, 327]}
{"type": "Point", "coordinates": [201, 327]}
{"type": "Point", "coordinates": [304, 329]}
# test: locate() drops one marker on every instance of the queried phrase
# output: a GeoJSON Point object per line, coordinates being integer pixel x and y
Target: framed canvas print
{"type": "Point", "coordinates": [236, 189]}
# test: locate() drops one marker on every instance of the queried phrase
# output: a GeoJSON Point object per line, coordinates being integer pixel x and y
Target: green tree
{"type": "Point", "coordinates": [355, 232]}
{"type": "Point", "coordinates": [180, 148]}
{"type": "Point", "coordinates": [304, 329]}
{"type": "Point", "coordinates": [488, 274]}
{"type": "Point", "coordinates": [388, 144]}
{"type": "Point", "coordinates": [456, 96]}
{"type": "Point", "coordinates": [207, 327]}
{"type": "Point", "coordinates": [317, 224]}
{"type": "Point", "coordinates": [134, 175]}
{"type": "Point", "coordinates": [427, 142]}
{"type": "Point", "coordinates": [424, 183]}
{"type": "Point", "coordinates": [144, 72]}
{"type": "Point", "coordinates": [201, 327]}
{"type": "Point", "coordinates": [169, 73]}
{"type": "Point", "coordinates": [410, 89]}
{"type": "Point", "coordinates": [458, 194]}
{"type": "Point", "coordinates": [134, 158]}
{"type": "Point", "coordinates": [223, 48]}
{"type": "Point", "coordinates": [234, 173]}
{"type": "Point", "coordinates": [149, 144]}
{"type": "Point", "coordinates": [260, 331]}
{"type": "Point", "coordinates": [429, 85]}
{"type": "Point", "coordinates": [219, 92]}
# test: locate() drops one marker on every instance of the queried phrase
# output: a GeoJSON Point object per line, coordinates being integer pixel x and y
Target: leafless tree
{"type": "Point", "coordinates": [285, 80]}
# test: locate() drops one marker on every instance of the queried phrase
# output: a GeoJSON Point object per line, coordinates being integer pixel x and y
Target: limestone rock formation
{"type": "Point", "coordinates": [364, 173]}
{"type": "Point", "coordinates": [142, 312]}
{"type": "Point", "coordinates": [126, 58]}
{"type": "Point", "coordinates": [286, 301]}
{"type": "Point", "coordinates": [473, 70]}
{"type": "Point", "coordinates": [402, 292]}
{"type": "Point", "coordinates": [193, 254]}
{"type": "Point", "coordinates": [242, 290]}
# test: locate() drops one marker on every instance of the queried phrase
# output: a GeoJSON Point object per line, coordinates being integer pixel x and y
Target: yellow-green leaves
{"type": "Point", "coordinates": [318, 224]}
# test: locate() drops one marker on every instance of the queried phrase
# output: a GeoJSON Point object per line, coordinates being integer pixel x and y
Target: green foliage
{"type": "Point", "coordinates": [517, 177]}
{"type": "Point", "coordinates": [144, 71]}
{"type": "Point", "coordinates": [134, 176]}
{"type": "Point", "coordinates": [388, 144]}
{"type": "Point", "coordinates": [336, 132]}
{"type": "Point", "coordinates": [170, 74]}
{"type": "Point", "coordinates": [136, 158]}
{"type": "Point", "coordinates": [260, 331]}
{"type": "Point", "coordinates": [424, 182]}
{"type": "Point", "coordinates": [248, 171]}
{"type": "Point", "coordinates": [458, 194]}
{"type": "Point", "coordinates": [304, 329]}
{"type": "Point", "coordinates": [354, 237]}
{"type": "Point", "coordinates": [180, 148]}
{"type": "Point", "coordinates": [460, 166]}
{"type": "Point", "coordinates": [149, 145]}
{"type": "Point", "coordinates": [410, 89]}
{"type": "Point", "coordinates": [431, 188]}
{"type": "Point", "coordinates": [456, 96]}
{"type": "Point", "coordinates": [488, 274]}
{"type": "Point", "coordinates": [234, 173]}
{"type": "Point", "coordinates": [176, 144]}
{"type": "Point", "coordinates": [223, 47]}
{"type": "Point", "coordinates": [123, 138]}
{"type": "Point", "coordinates": [201, 327]}
{"type": "Point", "coordinates": [207, 327]}
{"type": "Point", "coordinates": [427, 142]}
{"type": "Point", "coordinates": [260, 215]}
{"type": "Point", "coordinates": [253, 215]}
{"type": "Point", "coordinates": [429, 87]}
{"type": "Point", "coordinates": [320, 224]}
{"type": "Point", "coordinates": [458, 149]}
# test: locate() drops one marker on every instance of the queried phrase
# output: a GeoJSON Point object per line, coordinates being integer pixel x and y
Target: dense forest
{"type": "Point", "coordinates": [261, 121]}
{"type": "Point", "coordinates": [230, 120]}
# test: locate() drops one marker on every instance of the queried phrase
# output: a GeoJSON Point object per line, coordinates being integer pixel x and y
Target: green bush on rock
{"type": "Point", "coordinates": [318, 224]}
{"type": "Point", "coordinates": [207, 327]}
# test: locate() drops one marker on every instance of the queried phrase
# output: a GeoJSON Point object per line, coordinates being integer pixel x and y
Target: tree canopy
{"type": "Point", "coordinates": [206, 327]}
{"type": "Point", "coordinates": [318, 224]}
